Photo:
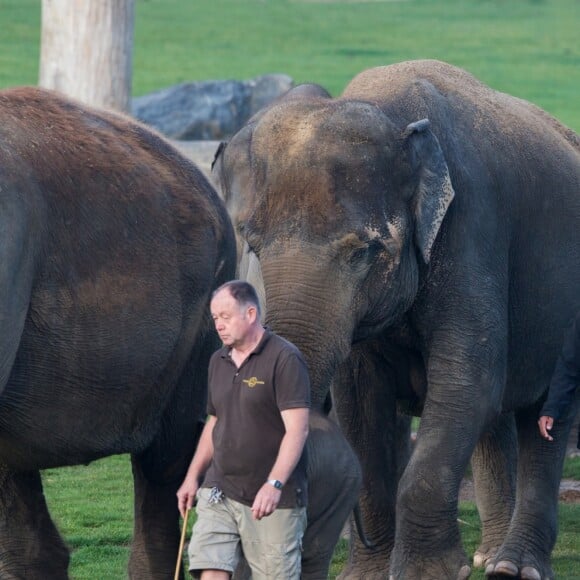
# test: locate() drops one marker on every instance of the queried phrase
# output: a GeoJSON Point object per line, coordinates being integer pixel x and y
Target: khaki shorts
{"type": "Point", "coordinates": [272, 546]}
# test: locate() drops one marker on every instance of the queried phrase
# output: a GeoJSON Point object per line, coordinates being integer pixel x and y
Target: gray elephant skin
{"type": "Point", "coordinates": [419, 237]}
{"type": "Point", "coordinates": [111, 244]}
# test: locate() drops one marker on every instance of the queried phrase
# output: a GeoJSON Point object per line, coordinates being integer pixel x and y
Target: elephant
{"type": "Point", "coordinates": [112, 243]}
{"type": "Point", "coordinates": [417, 238]}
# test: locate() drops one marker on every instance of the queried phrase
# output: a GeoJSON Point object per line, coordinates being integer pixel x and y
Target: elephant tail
{"type": "Point", "coordinates": [360, 528]}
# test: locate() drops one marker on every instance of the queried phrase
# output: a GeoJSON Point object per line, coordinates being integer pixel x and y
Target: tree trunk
{"type": "Point", "coordinates": [86, 50]}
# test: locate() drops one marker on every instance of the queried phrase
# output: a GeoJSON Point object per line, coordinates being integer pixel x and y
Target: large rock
{"type": "Point", "coordinates": [208, 110]}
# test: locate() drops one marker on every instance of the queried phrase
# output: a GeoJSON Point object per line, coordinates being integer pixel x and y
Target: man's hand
{"type": "Point", "coordinates": [266, 501]}
{"type": "Point", "coordinates": [291, 446]}
{"type": "Point", "coordinates": [545, 424]}
{"type": "Point", "coordinates": [186, 495]}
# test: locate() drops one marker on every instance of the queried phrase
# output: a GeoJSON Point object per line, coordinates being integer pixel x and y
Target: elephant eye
{"type": "Point", "coordinates": [359, 255]}
{"type": "Point", "coordinates": [366, 253]}
{"type": "Point", "coordinates": [375, 247]}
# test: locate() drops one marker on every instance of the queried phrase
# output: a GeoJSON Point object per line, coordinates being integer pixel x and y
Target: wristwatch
{"type": "Point", "coordinates": [277, 484]}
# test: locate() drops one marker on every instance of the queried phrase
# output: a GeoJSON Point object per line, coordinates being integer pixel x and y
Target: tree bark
{"type": "Point", "coordinates": [87, 50]}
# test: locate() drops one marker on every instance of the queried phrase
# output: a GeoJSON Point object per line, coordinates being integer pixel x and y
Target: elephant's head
{"type": "Point", "coordinates": [338, 204]}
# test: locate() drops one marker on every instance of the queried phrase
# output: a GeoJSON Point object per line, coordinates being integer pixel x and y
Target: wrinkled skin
{"type": "Point", "coordinates": [334, 480]}
{"type": "Point", "coordinates": [419, 236]}
{"type": "Point", "coordinates": [111, 245]}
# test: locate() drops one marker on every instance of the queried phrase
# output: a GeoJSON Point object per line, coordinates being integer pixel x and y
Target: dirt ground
{"type": "Point", "coordinates": [569, 491]}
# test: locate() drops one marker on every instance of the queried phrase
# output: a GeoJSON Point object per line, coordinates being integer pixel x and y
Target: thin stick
{"type": "Point", "coordinates": [178, 566]}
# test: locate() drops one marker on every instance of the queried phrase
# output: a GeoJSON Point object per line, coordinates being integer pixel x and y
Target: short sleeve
{"type": "Point", "coordinates": [566, 377]}
{"type": "Point", "coordinates": [292, 382]}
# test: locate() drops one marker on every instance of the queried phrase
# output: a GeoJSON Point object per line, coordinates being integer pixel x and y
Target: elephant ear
{"type": "Point", "coordinates": [218, 153]}
{"type": "Point", "coordinates": [434, 192]}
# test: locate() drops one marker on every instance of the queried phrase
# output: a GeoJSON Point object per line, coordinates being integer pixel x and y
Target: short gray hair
{"type": "Point", "coordinates": [243, 293]}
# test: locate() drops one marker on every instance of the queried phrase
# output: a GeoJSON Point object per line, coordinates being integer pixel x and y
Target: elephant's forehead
{"type": "Point", "coordinates": [296, 131]}
{"type": "Point", "coordinates": [292, 139]}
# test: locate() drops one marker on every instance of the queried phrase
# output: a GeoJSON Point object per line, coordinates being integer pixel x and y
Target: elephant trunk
{"type": "Point", "coordinates": [303, 306]}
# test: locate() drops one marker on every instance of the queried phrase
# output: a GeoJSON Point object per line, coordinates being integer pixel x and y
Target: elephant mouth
{"type": "Point", "coordinates": [366, 329]}
{"type": "Point", "coordinates": [361, 334]}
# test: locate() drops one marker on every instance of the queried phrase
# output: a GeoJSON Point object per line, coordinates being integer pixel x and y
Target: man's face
{"type": "Point", "coordinates": [233, 322]}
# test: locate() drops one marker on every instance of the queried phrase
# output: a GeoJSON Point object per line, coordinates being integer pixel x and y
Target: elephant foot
{"type": "Point", "coordinates": [501, 567]}
{"type": "Point", "coordinates": [463, 573]}
{"type": "Point", "coordinates": [367, 564]}
{"type": "Point", "coordinates": [358, 573]}
{"type": "Point", "coordinates": [451, 563]}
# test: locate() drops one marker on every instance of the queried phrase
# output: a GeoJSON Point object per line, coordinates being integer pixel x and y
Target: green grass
{"type": "Point", "coordinates": [528, 48]}
{"type": "Point", "coordinates": [565, 558]}
{"type": "Point", "coordinates": [92, 506]}
{"type": "Point", "coordinates": [572, 470]}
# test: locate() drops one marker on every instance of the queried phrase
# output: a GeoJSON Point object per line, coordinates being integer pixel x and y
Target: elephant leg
{"type": "Point", "coordinates": [30, 545]}
{"type": "Point", "coordinates": [156, 532]}
{"type": "Point", "coordinates": [334, 480]}
{"type": "Point", "coordinates": [159, 471]}
{"type": "Point", "coordinates": [243, 570]}
{"type": "Point", "coordinates": [364, 394]}
{"type": "Point", "coordinates": [494, 464]}
{"type": "Point", "coordinates": [532, 534]}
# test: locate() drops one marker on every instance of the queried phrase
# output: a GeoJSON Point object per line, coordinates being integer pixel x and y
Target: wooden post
{"type": "Point", "coordinates": [87, 50]}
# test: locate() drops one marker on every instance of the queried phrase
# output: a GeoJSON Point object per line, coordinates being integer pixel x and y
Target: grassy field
{"type": "Point", "coordinates": [92, 506]}
{"type": "Point", "coordinates": [528, 48]}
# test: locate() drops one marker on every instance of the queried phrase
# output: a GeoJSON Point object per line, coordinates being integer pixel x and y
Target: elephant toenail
{"type": "Point", "coordinates": [479, 560]}
{"type": "Point", "coordinates": [464, 573]}
{"type": "Point", "coordinates": [506, 567]}
{"type": "Point", "coordinates": [529, 573]}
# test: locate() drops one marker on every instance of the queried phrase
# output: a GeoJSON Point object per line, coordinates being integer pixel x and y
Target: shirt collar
{"type": "Point", "coordinates": [225, 351]}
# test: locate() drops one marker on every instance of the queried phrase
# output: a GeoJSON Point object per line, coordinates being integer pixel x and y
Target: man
{"type": "Point", "coordinates": [249, 469]}
{"type": "Point", "coordinates": [564, 382]}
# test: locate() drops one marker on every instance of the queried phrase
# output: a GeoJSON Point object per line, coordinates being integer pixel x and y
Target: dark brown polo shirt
{"type": "Point", "coordinates": [249, 428]}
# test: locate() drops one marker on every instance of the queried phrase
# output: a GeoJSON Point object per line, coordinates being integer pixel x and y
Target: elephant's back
{"type": "Point", "coordinates": [129, 239]}
{"type": "Point", "coordinates": [100, 171]}
{"type": "Point", "coordinates": [454, 100]}
{"type": "Point", "coordinates": [127, 233]}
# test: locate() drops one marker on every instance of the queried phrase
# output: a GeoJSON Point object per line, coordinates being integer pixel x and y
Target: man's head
{"type": "Point", "coordinates": [235, 309]}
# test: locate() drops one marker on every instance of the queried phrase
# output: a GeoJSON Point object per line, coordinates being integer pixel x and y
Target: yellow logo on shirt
{"type": "Point", "coordinates": [252, 382]}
